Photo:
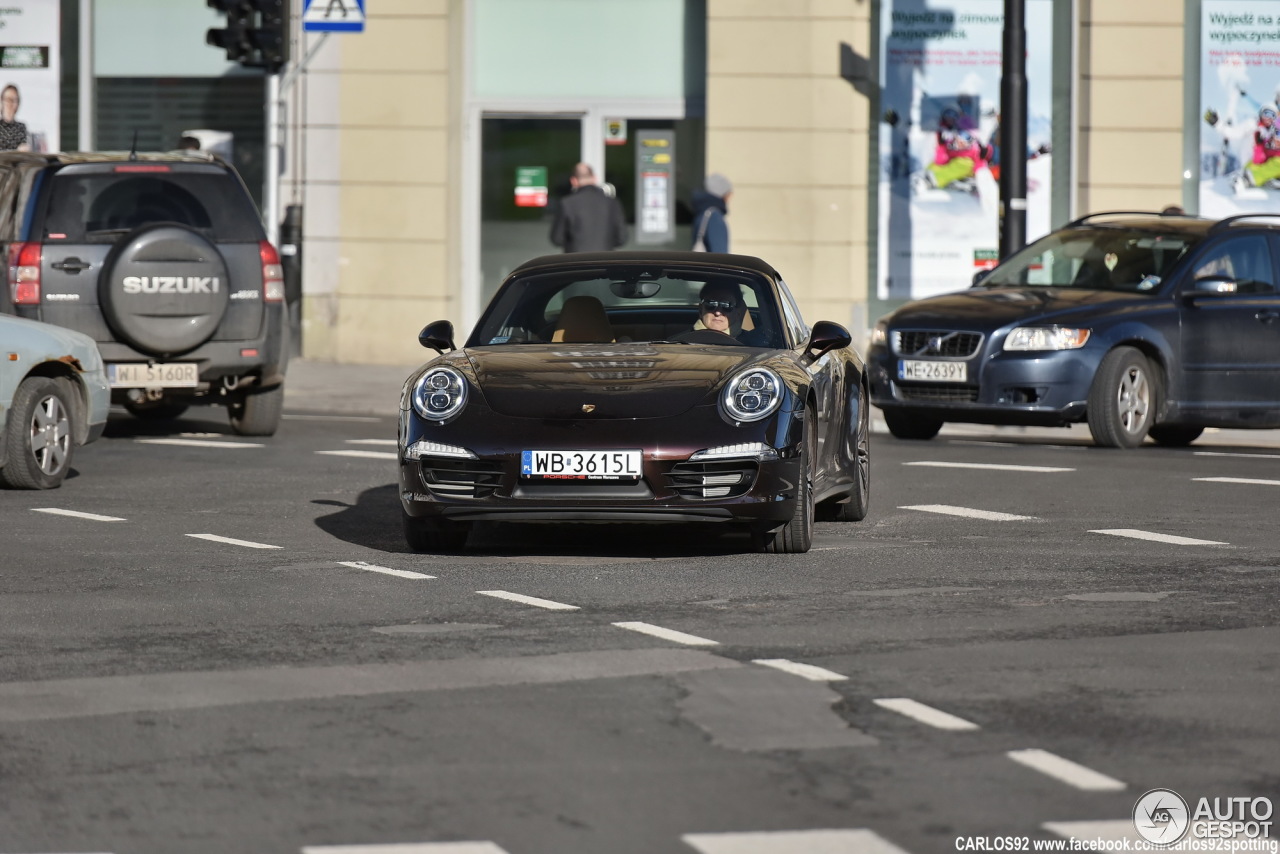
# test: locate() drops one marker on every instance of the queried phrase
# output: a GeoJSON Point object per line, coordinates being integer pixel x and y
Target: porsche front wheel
{"type": "Point", "coordinates": [796, 536]}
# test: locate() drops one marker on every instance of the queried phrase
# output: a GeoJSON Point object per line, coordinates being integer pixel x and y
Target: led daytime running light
{"type": "Point", "coordinates": [742, 450]}
{"type": "Point", "coordinates": [423, 448]}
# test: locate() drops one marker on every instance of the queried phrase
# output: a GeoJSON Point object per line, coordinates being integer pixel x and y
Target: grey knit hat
{"type": "Point", "coordinates": [718, 185]}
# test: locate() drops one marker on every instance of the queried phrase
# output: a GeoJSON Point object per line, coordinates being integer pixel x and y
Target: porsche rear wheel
{"type": "Point", "coordinates": [796, 536]}
{"type": "Point", "coordinates": [433, 536]}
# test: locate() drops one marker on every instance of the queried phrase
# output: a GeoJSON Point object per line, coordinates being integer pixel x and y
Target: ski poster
{"type": "Point", "coordinates": [1239, 87]}
{"type": "Point", "coordinates": [939, 197]}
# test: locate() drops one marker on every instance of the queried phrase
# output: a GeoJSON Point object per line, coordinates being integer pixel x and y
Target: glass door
{"type": "Point", "coordinates": [525, 166]}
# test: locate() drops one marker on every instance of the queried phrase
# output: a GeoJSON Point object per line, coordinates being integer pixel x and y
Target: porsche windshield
{"type": "Point", "coordinates": [1100, 259]}
{"type": "Point", "coordinates": [631, 303]}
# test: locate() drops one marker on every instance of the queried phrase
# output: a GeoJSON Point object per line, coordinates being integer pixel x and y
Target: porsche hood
{"type": "Point", "coordinates": [615, 381]}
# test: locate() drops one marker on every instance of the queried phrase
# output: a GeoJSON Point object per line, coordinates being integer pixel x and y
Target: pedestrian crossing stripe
{"type": "Point", "coordinates": [335, 15]}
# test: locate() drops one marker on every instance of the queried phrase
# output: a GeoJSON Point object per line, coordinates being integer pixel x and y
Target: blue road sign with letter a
{"type": "Point", "coordinates": [333, 16]}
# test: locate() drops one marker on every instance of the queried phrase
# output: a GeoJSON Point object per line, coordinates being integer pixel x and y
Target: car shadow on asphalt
{"type": "Point", "coordinates": [203, 420]}
{"type": "Point", "coordinates": [374, 522]}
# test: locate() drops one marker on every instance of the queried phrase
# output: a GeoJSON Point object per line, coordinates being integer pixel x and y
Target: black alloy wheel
{"type": "Point", "coordinates": [796, 536]}
{"type": "Point", "coordinates": [855, 506]}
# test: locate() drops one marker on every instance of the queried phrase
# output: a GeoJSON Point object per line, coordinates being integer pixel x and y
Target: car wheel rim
{"type": "Point", "coordinates": [864, 445]}
{"type": "Point", "coordinates": [1134, 398]}
{"type": "Point", "coordinates": [50, 435]}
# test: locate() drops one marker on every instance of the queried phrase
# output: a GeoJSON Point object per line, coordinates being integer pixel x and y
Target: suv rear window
{"type": "Point", "coordinates": [97, 204]}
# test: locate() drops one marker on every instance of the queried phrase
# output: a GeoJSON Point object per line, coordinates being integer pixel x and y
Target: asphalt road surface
{"type": "Point", "coordinates": [212, 644]}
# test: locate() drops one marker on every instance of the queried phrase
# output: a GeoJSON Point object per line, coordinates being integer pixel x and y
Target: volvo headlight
{"type": "Point", "coordinates": [440, 394]}
{"type": "Point", "coordinates": [752, 395]}
{"type": "Point", "coordinates": [880, 334]}
{"type": "Point", "coordinates": [1046, 338]}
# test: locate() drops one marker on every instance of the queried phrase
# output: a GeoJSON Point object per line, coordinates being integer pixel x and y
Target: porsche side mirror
{"type": "Point", "coordinates": [826, 336]}
{"type": "Point", "coordinates": [437, 336]}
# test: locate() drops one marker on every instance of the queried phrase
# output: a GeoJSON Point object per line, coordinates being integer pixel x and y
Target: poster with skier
{"type": "Point", "coordinates": [1239, 88]}
{"type": "Point", "coordinates": [940, 145]}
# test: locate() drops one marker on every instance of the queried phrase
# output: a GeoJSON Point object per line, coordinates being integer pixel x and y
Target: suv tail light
{"type": "Point", "coordinates": [24, 273]}
{"type": "Point", "coordinates": [272, 273]}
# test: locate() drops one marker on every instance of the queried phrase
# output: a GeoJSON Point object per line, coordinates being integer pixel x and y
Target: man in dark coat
{"type": "Point", "coordinates": [710, 205]}
{"type": "Point", "coordinates": [587, 220]}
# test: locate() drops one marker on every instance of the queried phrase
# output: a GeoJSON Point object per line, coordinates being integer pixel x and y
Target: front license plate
{"type": "Point", "coordinates": [170, 375]}
{"type": "Point", "coordinates": [581, 465]}
{"type": "Point", "coordinates": [933, 372]}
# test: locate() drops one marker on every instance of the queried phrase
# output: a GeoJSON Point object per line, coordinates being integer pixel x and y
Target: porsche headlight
{"type": "Point", "coordinates": [441, 393]}
{"type": "Point", "coordinates": [752, 395]}
{"type": "Point", "coordinates": [1046, 338]}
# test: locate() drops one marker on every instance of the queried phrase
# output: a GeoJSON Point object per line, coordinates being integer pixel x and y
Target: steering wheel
{"type": "Point", "coordinates": [705, 336]}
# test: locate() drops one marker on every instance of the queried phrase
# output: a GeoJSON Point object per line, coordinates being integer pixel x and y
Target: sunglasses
{"type": "Point", "coordinates": [721, 305]}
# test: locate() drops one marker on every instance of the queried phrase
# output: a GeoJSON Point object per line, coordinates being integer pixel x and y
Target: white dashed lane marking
{"type": "Point", "coordinates": [76, 514]}
{"type": "Point", "coordinates": [855, 841]}
{"type": "Point", "coordinates": [805, 671]}
{"type": "Point", "coordinates": [385, 570]}
{"type": "Point", "coordinates": [368, 455]}
{"type": "Point", "coordinates": [968, 512]}
{"type": "Point", "coordinates": [528, 600]}
{"type": "Point", "coordinates": [1231, 454]}
{"type": "Point", "coordinates": [200, 443]}
{"type": "Point", "coordinates": [1244, 480]}
{"type": "Point", "coordinates": [409, 848]}
{"type": "Point", "coordinates": [388, 442]}
{"type": "Point", "coordinates": [1135, 534]}
{"type": "Point", "coordinates": [667, 634]}
{"type": "Point", "coordinates": [360, 418]}
{"type": "Point", "coordinates": [1064, 770]}
{"type": "Point", "coordinates": [925, 714]}
{"type": "Point", "coordinates": [987, 466]}
{"type": "Point", "coordinates": [214, 538]}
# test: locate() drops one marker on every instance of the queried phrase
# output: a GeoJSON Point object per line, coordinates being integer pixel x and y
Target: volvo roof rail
{"type": "Point", "coordinates": [1228, 221]}
{"type": "Point", "coordinates": [1083, 219]}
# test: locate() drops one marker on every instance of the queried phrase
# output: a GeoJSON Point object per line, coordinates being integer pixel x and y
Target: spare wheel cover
{"type": "Point", "coordinates": [164, 289]}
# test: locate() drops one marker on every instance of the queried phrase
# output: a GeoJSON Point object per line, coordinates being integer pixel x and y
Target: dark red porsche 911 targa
{"type": "Point", "coordinates": [637, 387]}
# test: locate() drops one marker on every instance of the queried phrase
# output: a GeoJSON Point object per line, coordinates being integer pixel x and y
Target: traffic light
{"type": "Point", "coordinates": [234, 37]}
{"type": "Point", "coordinates": [270, 37]}
{"type": "Point", "coordinates": [256, 34]}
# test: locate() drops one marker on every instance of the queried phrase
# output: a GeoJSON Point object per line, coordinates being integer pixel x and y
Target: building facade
{"type": "Point", "coordinates": [419, 149]}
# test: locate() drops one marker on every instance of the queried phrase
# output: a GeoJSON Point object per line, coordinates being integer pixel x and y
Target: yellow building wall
{"type": "Point", "coordinates": [1130, 105]}
{"type": "Point", "coordinates": [792, 136]}
{"type": "Point", "coordinates": [380, 185]}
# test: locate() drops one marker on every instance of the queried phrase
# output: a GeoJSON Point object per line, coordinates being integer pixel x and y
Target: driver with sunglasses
{"type": "Point", "coordinates": [722, 309]}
